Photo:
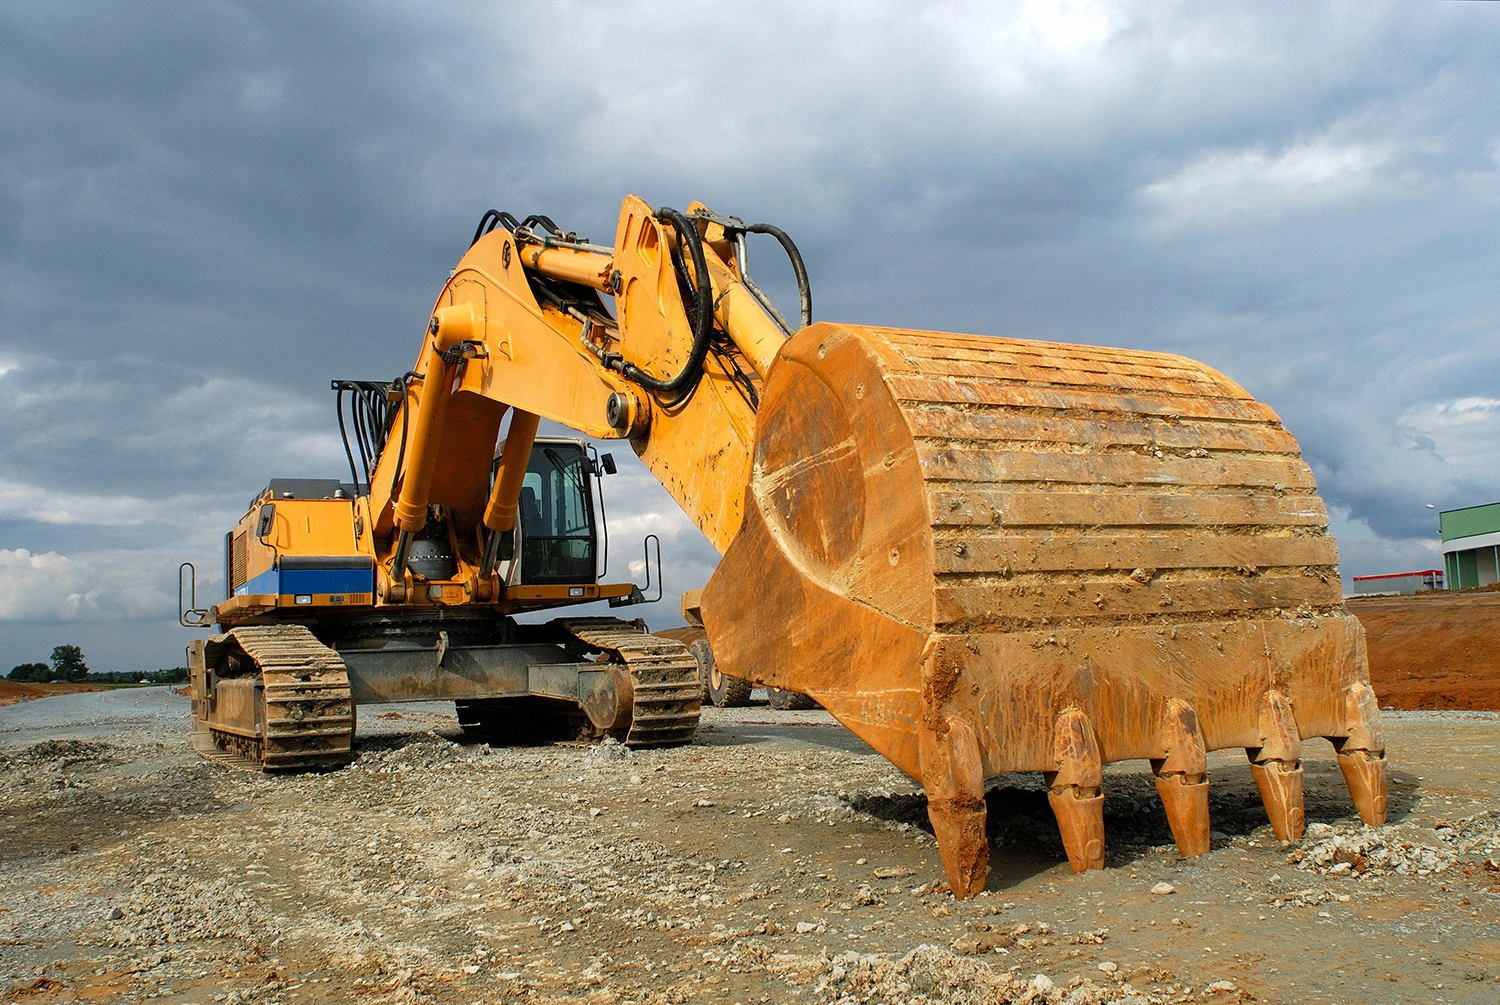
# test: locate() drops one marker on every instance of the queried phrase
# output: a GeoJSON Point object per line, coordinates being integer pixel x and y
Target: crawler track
{"type": "Point", "coordinates": [664, 674]}
{"type": "Point", "coordinates": [298, 716]}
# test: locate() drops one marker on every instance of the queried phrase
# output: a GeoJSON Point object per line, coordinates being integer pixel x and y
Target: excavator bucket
{"type": "Point", "coordinates": [989, 555]}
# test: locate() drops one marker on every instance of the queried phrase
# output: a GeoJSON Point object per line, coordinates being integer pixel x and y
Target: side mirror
{"type": "Point", "coordinates": [607, 462]}
{"type": "Point", "coordinates": [266, 521]}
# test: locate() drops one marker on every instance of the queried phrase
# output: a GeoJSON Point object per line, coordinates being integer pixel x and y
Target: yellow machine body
{"type": "Point", "coordinates": [980, 554]}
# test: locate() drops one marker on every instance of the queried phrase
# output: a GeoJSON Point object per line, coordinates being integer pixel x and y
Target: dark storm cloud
{"type": "Point", "coordinates": [208, 210]}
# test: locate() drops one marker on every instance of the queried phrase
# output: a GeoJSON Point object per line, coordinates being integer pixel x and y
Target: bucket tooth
{"type": "Point", "coordinates": [1281, 791]}
{"type": "Point", "coordinates": [1277, 766]}
{"type": "Point", "coordinates": [1182, 778]}
{"type": "Point", "coordinates": [1075, 790]}
{"type": "Point", "coordinates": [1361, 754]}
{"type": "Point", "coordinates": [953, 775]}
{"type": "Point", "coordinates": [1366, 778]}
{"type": "Point", "coordinates": [1080, 819]}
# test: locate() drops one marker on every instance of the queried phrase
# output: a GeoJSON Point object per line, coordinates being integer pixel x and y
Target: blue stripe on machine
{"type": "Point", "coordinates": [327, 581]}
{"type": "Point", "coordinates": [279, 581]}
{"type": "Point", "coordinates": [266, 582]}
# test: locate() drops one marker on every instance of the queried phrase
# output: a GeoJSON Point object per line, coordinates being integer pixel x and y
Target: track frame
{"type": "Point", "coordinates": [275, 698]}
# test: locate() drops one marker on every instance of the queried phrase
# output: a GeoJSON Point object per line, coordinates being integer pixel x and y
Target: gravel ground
{"type": "Point", "coordinates": [777, 859]}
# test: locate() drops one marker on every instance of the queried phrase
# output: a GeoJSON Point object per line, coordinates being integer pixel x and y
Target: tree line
{"type": "Point", "coordinates": [67, 665]}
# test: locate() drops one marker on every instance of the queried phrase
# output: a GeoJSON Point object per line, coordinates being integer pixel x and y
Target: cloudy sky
{"type": "Point", "coordinates": [208, 210]}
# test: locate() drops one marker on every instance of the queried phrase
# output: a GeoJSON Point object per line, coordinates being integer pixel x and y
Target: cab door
{"type": "Point", "coordinates": [558, 533]}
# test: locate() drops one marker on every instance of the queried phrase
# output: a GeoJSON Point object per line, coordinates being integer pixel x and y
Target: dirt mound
{"type": "Point", "coordinates": [1434, 650]}
{"type": "Point", "coordinates": [12, 691]}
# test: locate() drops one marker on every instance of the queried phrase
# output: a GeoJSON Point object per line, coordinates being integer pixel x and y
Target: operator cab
{"type": "Point", "coordinates": [558, 536]}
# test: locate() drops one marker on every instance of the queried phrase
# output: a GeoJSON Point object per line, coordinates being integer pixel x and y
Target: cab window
{"type": "Point", "coordinates": [557, 517]}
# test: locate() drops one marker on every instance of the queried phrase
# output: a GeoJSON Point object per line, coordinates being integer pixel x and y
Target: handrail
{"type": "Point", "coordinates": [189, 614]}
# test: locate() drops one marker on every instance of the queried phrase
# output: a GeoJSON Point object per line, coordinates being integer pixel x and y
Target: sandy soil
{"type": "Point", "coordinates": [12, 691]}
{"type": "Point", "coordinates": [777, 859]}
{"type": "Point", "coordinates": [1434, 650]}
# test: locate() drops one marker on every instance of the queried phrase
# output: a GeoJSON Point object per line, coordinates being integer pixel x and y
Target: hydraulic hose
{"type": "Point", "coordinates": [804, 288]}
{"type": "Point", "coordinates": [703, 322]}
{"type": "Point", "coordinates": [344, 435]}
{"type": "Point", "coordinates": [488, 221]}
{"type": "Point", "coordinates": [545, 221]}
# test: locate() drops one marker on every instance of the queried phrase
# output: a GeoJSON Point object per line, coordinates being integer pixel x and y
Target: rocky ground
{"type": "Point", "coordinates": [775, 860]}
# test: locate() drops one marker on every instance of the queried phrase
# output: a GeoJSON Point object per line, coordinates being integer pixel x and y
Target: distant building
{"type": "Point", "coordinates": [1400, 582]}
{"type": "Point", "coordinates": [1471, 545]}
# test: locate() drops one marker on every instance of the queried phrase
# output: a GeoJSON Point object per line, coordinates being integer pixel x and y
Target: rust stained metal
{"type": "Point", "coordinates": [987, 555]}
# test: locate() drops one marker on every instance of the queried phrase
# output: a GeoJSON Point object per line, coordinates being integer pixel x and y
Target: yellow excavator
{"type": "Point", "coordinates": [980, 554]}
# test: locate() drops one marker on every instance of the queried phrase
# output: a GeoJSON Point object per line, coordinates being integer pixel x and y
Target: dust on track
{"type": "Point", "coordinates": [776, 859]}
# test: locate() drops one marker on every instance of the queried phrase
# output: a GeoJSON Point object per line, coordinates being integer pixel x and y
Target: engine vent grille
{"type": "Point", "coordinates": [238, 560]}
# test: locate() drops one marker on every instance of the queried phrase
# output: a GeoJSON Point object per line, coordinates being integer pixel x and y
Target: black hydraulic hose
{"type": "Point", "coordinates": [545, 221]}
{"type": "Point", "coordinates": [804, 288]}
{"type": "Point", "coordinates": [401, 412]}
{"type": "Point", "coordinates": [359, 406]}
{"type": "Point", "coordinates": [371, 412]}
{"type": "Point", "coordinates": [488, 221]}
{"type": "Point", "coordinates": [700, 289]}
{"type": "Point", "coordinates": [362, 426]}
{"type": "Point", "coordinates": [369, 426]}
{"type": "Point", "coordinates": [344, 435]}
{"type": "Point", "coordinates": [703, 327]}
